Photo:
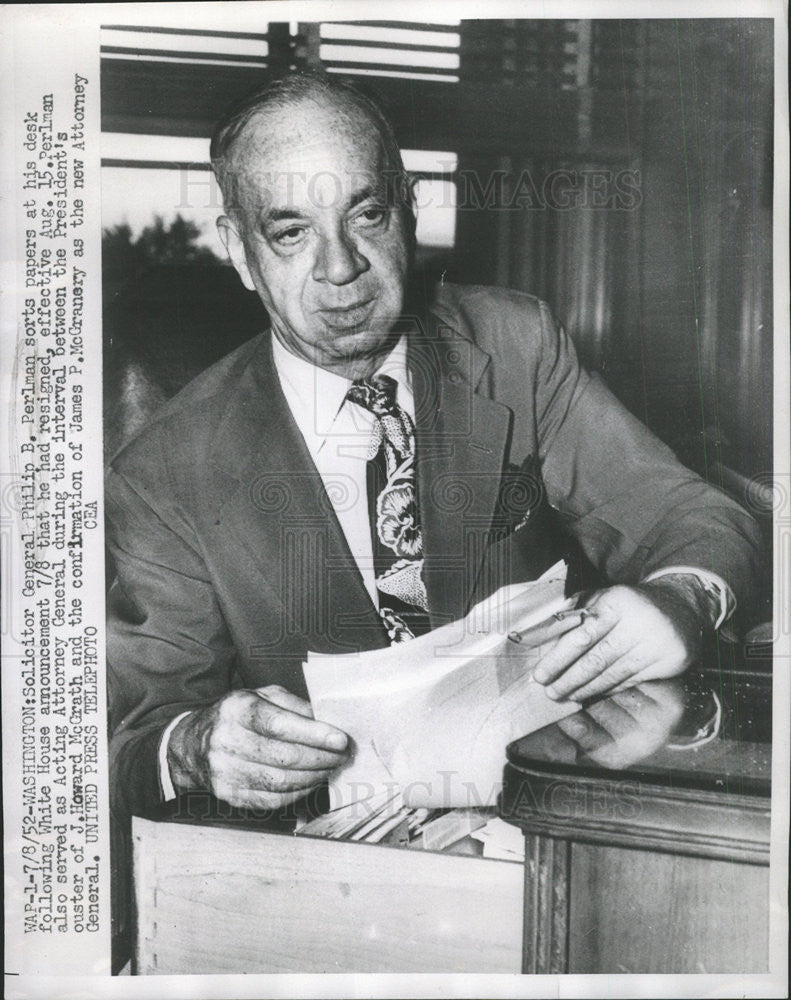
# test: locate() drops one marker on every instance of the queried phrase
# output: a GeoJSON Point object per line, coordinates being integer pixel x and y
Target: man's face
{"type": "Point", "coordinates": [316, 234]}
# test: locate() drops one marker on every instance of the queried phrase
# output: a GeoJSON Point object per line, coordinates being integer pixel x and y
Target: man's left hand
{"type": "Point", "coordinates": [632, 634]}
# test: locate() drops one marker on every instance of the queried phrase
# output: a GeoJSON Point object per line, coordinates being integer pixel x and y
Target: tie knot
{"type": "Point", "coordinates": [377, 394]}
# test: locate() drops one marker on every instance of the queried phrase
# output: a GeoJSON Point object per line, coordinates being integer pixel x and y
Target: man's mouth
{"type": "Point", "coordinates": [347, 317]}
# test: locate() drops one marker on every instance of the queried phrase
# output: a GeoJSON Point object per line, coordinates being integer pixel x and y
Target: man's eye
{"type": "Point", "coordinates": [370, 217]}
{"type": "Point", "coordinates": [287, 237]}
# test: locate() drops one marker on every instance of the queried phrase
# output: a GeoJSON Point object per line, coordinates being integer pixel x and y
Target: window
{"type": "Point", "coordinates": [173, 177]}
{"type": "Point", "coordinates": [422, 52]}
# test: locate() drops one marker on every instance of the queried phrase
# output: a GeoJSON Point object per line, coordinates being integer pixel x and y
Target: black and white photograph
{"type": "Point", "coordinates": [396, 513]}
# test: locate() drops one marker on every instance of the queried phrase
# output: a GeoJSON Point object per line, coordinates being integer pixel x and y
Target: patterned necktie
{"type": "Point", "coordinates": [392, 501]}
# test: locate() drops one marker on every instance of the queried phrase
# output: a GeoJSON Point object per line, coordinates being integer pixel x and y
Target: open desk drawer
{"type": "Point", "coordinates": [214, 899]}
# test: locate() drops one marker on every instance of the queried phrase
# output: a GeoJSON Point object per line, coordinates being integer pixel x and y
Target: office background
{"type": "Point", "coordinates": [619, 169]}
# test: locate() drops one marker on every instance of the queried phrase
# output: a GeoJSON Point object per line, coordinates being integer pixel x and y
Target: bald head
{"type": "Point", "coordinates": [289, 110]}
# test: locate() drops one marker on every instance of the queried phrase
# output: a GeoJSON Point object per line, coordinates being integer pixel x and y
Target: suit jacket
{"type": "Point", "coordinates": [231, 563]}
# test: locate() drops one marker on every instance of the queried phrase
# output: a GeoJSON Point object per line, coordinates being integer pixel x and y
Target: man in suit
{"type": "Point", "coordinates": [239, 519]}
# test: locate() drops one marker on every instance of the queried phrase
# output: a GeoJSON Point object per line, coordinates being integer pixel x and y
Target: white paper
{"type": "Point", "coordinates": [501, 841]}
{"type": "Point", "coordinates": [432, 716]}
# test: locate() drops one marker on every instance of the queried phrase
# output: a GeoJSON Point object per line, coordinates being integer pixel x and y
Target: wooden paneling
{"type": "Point", "coordinates": [546, 923]}
{"type": "Point", "coordinates": [637, 911]}
{"type": "Point", "coordinates": [605, 808]}
{"type": "Point", "coordinates": [704, 302]}
{"type": "Point", "coordinates": [668, 294]}
{"type": "Point", "coordinates": [660, 866]}
{"type": "Point", "coordinates": [213, 900]}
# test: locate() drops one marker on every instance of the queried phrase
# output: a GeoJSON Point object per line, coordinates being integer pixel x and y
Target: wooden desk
{"type": "Point", "coordinates": [216, 899]}
{"type": "Point", "coordinates": [646, 852]}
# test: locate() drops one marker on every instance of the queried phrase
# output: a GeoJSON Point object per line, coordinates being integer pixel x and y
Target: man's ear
{"type": "Point", "coordinates": [234, 247]}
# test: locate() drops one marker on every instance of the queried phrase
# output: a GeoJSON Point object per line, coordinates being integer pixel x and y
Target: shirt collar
{"type": "Point", "coordinates": [316, 396]}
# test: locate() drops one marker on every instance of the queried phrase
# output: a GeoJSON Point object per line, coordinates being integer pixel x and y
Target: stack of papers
{"type": "Point", "coordinates": [382, 820]}
{"type": "Point", "coordinates": [429, 719]}
{"type": "Point", "coordinates": [501, 840]}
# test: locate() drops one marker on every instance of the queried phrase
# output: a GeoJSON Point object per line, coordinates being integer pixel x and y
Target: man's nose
{"type": "Point", "coordinates": [339, 260]}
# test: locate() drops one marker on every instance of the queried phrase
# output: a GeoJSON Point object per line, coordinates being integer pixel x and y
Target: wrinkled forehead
{"type": "Point", "coordinates": [307, 155]}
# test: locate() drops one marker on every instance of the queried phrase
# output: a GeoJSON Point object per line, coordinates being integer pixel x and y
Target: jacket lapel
{"type": "Point", "coordinates": [461, 439]}
{"type": "Point", "coordinates": [281, 515]}
{"type": "Point", "coordinates": [279, 512]}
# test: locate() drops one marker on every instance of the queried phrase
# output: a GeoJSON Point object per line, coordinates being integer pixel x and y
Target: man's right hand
{"type": "Point", "coordinates": [257, 749]}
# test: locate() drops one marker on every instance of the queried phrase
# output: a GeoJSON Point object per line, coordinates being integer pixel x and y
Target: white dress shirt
{"type": "Point", "coordinates": [338, 435]}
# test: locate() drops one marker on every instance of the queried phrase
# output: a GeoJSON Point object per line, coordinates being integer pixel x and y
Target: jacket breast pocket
{"type": "Point", "coordinates": [521, 499]}
{"type": "Point", "coordinates": [525, 537]}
